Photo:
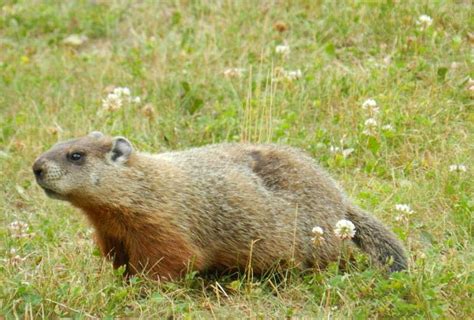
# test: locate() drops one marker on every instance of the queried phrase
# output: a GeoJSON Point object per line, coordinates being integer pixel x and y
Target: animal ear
{"type": "Point", "coordinates": [121, 150]}
{"type": "Point", "coordinates": [96, 134]}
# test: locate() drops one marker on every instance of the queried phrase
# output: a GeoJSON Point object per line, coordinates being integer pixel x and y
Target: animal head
{"type": "Point", "coordinates": [78, 166]}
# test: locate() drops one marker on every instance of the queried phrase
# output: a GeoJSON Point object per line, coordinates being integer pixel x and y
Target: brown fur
{"type": "Point", "coordinates": [218, 207]}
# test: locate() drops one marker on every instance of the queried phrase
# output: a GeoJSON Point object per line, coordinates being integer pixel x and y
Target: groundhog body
{"type": "Point", "coordinates": [222, 206]}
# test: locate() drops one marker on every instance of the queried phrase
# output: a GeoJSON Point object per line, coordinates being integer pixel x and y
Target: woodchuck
{"type": "Point", "coordinates": [217, 207]}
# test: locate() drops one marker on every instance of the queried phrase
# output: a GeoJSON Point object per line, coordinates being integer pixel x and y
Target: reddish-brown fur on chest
{"type": "Point", "coordinates": [144, 245]}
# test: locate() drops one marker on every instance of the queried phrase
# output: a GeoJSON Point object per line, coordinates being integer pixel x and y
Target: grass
{"type": "Point", "coordinates": [173, 55]}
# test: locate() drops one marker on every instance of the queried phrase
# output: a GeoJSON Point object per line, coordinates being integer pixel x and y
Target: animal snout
{"type": "Point", "coordinates": [38, 169]}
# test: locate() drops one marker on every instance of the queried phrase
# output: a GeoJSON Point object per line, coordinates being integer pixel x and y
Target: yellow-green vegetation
{"type": "Point", "coordinates": [293, 72]}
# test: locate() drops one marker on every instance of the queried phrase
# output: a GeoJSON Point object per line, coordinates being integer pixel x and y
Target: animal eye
{"type": "Point", "coordinates": [75, 156]}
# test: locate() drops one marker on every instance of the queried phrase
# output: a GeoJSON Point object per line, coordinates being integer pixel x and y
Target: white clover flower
{"type": "Point", "coordinates": [75, 40]}
{"type": "Point", "coordinates": [457, 167]}
{"type": "Point", "coordinates": [234, 72]}
{"type": "Point", "coordinates": [347, 152]}
{"type": "Point", "coordinates": [334, 149]}
{"type": "Point", "coordinates": [401, 218]}
{"type": "Point", "coordinates": [371, 122]}
{"type": "Point", "coordinates": [137, 100]}
{"type": "Point", "coordinates": [424, 21]}
{"type": "Point", "coordinates": [404, 208]}
{"type": "Point", "coordinates": [318, 235]}
{"type": "Point", "coordinates": [122, 91]}
{"type": "Point", "coordinates": [19, 229]}
{"type": "Point", "coordinates": [370, 126]}
{"type": "Point", "coordinates": [293, 74]}
{"type": "Point", "coordinates": [368, 132]}
{"type": "Point", "coordinates": [344, 229]}
{"type": "Point", "coordinates": [18, 225]}
{"type": "Point", "coordinates": [289, 75]}
{"type": "Point", "coordinates": [388, 127]}
{"type": "Point", "coordinates": [318, 230]}
{"type": "Point", "coordinates": [112, 102]}
{"type": "Point", "coordinates": [117, 98]}
{"type": "Point", "coordinates": [283, 49]}
{"type": "Point", "coordinates": [369, 104]}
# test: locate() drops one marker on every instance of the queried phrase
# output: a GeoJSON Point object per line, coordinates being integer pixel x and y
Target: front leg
{"type": "Point", "coordinates": [113, 249]}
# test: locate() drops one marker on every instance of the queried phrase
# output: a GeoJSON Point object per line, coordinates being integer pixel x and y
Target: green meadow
{"type": "Point", "coordinates": [380, 93]}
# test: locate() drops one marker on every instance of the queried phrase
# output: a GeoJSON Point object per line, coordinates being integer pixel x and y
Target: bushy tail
{"type": "Point", "coordinates": [375, 239]}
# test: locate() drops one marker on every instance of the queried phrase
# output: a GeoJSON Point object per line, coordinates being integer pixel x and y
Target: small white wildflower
{"type": "Point", "coordinates": [112, 102]}
{"type": "Point", "coordinates": [289, 75]}
{"type": "Point", "coordinates": [18, 225]}
{"type": "Point", "coordinates": [137, 100]}
{"type": "Point", "coordinates": [75, 40]}
{"type": "Point", "coordinates": [404, 208]}
{"type": "Point", "coordinates": [347, 152]}
{"type": "Point", "coordinates": [122, 92]}
{"type": "Point", "coordinates": [293, 74]}
{"type": "Point", "coordinates": [126, 91]}
{"type": "Point", "coordinates": [457, 167]}
{"type": "Point", "coordinates": [369, 104]}
{"type": "Point", "coordinates": [388, 127]}
{"type": "Point", "coordinates": [318, 230]}
{"type": "Point", "coordinates": [371, 122]}
{"type": "Point", "coordinates": [344, 229]}
{"type": "Point", "coordinates": [234, 72]}
{"type": "Point", "coordinates": [20, 229]}
{"type": "Point", "coordinates": [318, 235]}
{"type": "Point", "coordinates": [283, 49]}
{"type": "Point", "coordinates": [116, 99]}
{"type": "Point", "coordinates": [368, 132]}
{"type": "Point", "coordinates": [401, 218]}
{"type": "Point", "coordinates": [12, 251]}
{"type": "Point", "coordinates": [424, 21]}
{"type": "Point", "coordinates": [334, 149]}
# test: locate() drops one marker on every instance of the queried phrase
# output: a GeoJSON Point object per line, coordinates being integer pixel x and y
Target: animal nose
{"type": "Point", "coordinates": [38, 173]}
{"type": "Point", "coordinates": [38, 169]}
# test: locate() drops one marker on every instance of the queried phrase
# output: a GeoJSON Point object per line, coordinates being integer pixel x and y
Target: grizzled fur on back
{"type": "Point", "coordinates": [222, 206]}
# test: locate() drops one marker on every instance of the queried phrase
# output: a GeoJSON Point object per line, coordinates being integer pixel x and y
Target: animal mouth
{"type": "Point", "coordinates": [53, 194]}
